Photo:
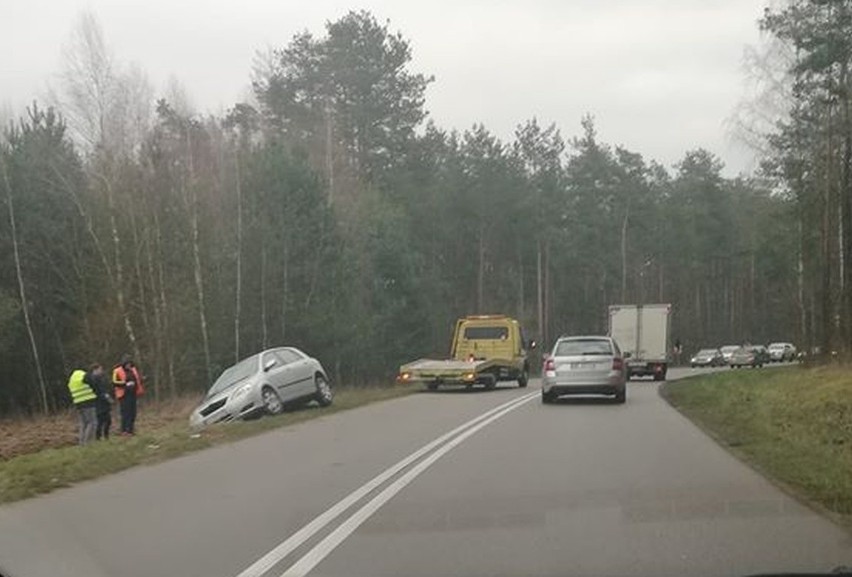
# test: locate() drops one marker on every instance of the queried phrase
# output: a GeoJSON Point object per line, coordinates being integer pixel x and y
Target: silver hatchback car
{"type": "Point", "coordinates": [263, 383]}
{"type": "Point", "coordinates": [584, 366]}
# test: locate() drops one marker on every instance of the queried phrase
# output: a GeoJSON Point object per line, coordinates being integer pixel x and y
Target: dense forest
{"type": "Point", "coordinates": [328, 212]}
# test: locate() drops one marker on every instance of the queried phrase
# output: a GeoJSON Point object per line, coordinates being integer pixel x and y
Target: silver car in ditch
{"type": "Point", "coordinates": [263, 383]}
{"type": "Point", "coordinates": [584, 366]}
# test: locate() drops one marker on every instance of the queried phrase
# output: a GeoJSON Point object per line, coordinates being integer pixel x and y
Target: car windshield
{"type": "Point", "coordinates": [581, 347]}
{"type": "Point", "coordinates": [729, 348]}
{"type": "Point", "coordinates": [233, 375]}
{"type": "Point", "coordinates": [777, 347]}
{"type": "Point", "coordinates": [706, 352]}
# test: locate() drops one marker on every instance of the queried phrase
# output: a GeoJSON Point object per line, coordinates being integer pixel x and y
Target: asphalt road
{"type": "Point", "coordinates": [447, 483]}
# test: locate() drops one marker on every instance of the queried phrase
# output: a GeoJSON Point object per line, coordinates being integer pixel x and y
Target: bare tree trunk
{"type": "Point", "coordinates": [199, 287]}
{"type": "Point", "coordinates": [25, 307]}
{"type": "Point", "coordinates": [192, 197]}
{"type": "Point", "coordinates": [285, 293]}
{"type": "Point", "coordinates": [624, 223]}
{"type": "Point", "coordinates": [540, 293]}
{"type": "Point", "coordinates": [826, 234]}
{"type": "Point", "coordinates": [546, 291]}
{"type": "Point", "coordinates": [239, 261]}
{"type": "Point", "coordinates": [329, 153]}
{"type": "Point", "coordinates": [118, 269]}
{"type": "Point", "coordinates": [137, 269]}
{"type": "Point", "coordinates": [158, 320]}
{"type": "Point", "coordinates": [164, 307]}
{"type": "Point", "coordinates": [263, 324]}
{"type": "Point", "coordinates": [800, 283]}
{"type": "Point", "coordinates": [480, 281]}
{"type": "Point", "coordinates": [520, 283]}
{"type": "Point", "coordinates": [846, 203]}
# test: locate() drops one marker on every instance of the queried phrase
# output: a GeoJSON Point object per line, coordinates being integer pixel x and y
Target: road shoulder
{"type": "Point", "coordinates": [793, 426]}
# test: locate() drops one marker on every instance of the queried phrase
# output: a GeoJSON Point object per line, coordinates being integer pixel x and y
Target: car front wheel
{"type": "Point", "coordinates": [271, 401]}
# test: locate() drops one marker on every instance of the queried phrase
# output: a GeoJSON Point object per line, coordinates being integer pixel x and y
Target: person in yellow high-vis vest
{"type": "Point", "coordinates": [85, 392]}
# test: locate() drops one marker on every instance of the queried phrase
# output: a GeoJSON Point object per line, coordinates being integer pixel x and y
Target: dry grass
{"type": "Point", "coordinates": [41, 459]}
{"type": "Point", "coordinates": [22, 436]}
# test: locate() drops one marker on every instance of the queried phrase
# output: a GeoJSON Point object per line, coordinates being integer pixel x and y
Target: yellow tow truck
{"type": "Point", "coordinates": [486, 349]}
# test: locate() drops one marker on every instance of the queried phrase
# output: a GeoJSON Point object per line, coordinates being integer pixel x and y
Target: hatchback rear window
{"type": "Point", "coordinates": [486, 333]}
{"type": "Point", "coordinates": [580, 347]}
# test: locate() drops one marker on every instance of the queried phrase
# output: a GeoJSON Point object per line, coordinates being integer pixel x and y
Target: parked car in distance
{"type": "Point", "coordinates": [762, 354]}
{"type": "Point", "coordinates": [727, 351]}
{"type": "Point", "coordinates": [707, 358]}
{"type": "Point", "coordinates": [589, 365]}
{"type": "Point", "coordinates": [781, 352]}
{"type": "Point", "coordinates": [263, 383]}
{"type": "Point", "coordinates": [750, 356]}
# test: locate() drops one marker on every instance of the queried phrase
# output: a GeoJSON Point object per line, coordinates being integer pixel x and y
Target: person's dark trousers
{"type": "Point", "coordinates": [128, 414]}
{"type": "Point", "coordinates": [104, 423]}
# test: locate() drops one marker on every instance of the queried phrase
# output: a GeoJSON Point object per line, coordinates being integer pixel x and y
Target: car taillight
{"type": "Point", "coordinates": [617, 364]}
{"type": "Point", "coordinates": [549, 368]}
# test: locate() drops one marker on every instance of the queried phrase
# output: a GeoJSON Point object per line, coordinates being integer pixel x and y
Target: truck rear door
{"type": "Point", "coordinates": [623, 327]}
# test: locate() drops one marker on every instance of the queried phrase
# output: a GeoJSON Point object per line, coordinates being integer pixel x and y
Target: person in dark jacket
{"type": "Point", "coordinates": [103, 406]}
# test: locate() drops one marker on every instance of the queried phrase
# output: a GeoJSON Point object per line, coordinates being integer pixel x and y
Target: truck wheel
{"type": "Point", "coordinates": [524, 378]}
{"type": "Point", "coordinates": [490, 382]}
{"type": "Point", "coordinates": [432, 386]}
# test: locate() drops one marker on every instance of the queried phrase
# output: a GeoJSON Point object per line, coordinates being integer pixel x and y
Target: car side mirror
{"type": "Point", "coordinates": [268, 365]}
{"type": "Point", "coordinates": [627, 354]}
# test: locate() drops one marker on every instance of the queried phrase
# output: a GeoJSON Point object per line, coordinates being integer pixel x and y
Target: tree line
{"type": "Point", "coordinates": [809, 157]}
{"type": "Point", "coordinates": [330, 213]}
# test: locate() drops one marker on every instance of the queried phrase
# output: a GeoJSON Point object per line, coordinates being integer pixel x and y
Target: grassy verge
{"type": "Point", "coordinates": [793, 424]}
{"type": "Point", "coordinates": [162, 436]}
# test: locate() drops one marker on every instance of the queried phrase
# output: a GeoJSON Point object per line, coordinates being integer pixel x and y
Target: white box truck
{"type": "Point", "coordinates": [642, 331]}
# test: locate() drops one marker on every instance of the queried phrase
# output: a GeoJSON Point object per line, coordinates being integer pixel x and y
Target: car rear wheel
{"type": "Point", "coordinates": [621, 396]}
{"type": "Point", "coordinates": [324, 395]}
{"type": "Point", "coordinates": [271, 401]}
{"type": "Point", "coordinates": [547, 398]}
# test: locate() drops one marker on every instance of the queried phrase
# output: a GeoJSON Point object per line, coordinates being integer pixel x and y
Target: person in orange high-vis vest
{"type": "Point", "coordinates": [128, 387]}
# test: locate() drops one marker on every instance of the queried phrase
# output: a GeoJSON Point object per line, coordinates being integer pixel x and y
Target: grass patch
{"type": "Point", "coordinates": [163, 434]}
{"type": "Point", "coordinates": [793, 424]}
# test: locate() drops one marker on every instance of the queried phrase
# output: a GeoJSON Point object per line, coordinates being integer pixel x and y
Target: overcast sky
{"type": "Point", "coordinates": [660, 76]}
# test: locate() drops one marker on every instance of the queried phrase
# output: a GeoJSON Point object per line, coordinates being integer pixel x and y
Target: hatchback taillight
{"type": "Point", "coordinates": [617, 364]}
{"type": "Point", "coordinates": [549, 365]}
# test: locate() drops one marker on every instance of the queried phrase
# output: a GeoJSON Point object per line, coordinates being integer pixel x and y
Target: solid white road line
{"type": "Point", "coordinates": [320, 551]}
{"type": "Point", "coordinates": [286, 547]}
